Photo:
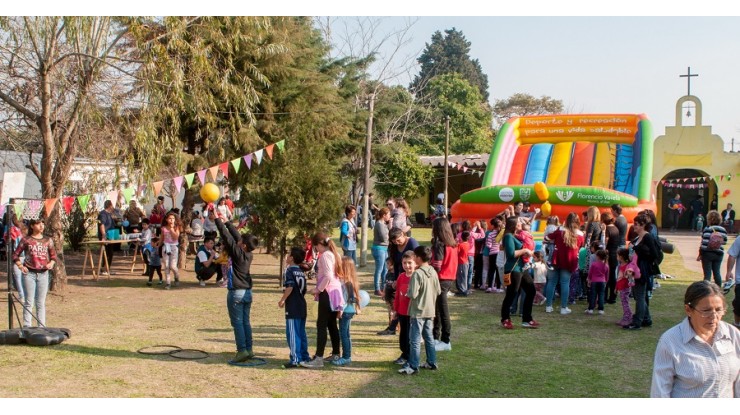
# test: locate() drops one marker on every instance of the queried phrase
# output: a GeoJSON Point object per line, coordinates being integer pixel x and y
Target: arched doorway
{"type": "Point", "coordinates": [691, 191]}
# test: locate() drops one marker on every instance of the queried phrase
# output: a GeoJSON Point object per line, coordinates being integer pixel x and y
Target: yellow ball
{"type": "Point", "coordinates": [209, 193]}
{"type": "Point", "coordinates": [546, 209]}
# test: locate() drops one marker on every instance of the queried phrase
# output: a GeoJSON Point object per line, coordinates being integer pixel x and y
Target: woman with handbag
{"type": "Point", "coordinates": [515, 278]}
{"type": "Point", "coordinates": [646, 248]}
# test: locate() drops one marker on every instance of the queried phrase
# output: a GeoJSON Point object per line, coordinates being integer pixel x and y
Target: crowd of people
{"type": "Point", "coordinates": [592, 262]}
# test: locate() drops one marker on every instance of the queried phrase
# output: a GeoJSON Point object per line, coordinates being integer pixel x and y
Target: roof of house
{"type": "Point", "coordinates": [468, 160]}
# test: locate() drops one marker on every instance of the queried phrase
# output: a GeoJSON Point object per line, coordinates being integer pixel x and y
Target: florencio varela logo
{"type": "Point", "coordinates": [524, 193]}
{"type": "Point", "coordinates": [564, 195]}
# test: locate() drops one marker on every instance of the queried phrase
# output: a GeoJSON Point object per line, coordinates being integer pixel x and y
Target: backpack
{"type": "Point", "coordinates": [716, 240]}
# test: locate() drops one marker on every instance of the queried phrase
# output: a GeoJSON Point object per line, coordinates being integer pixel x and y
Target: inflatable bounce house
{"type": "Point", "coordinates": [566, 163]}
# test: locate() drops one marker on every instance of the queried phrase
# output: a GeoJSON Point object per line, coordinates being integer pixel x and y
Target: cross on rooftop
{"type": "Point", "coordinates": [688, 78]}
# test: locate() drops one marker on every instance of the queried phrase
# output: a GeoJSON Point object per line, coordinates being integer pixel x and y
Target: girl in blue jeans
{"type": "Point", "coordinates": [380, 248]}
{"type": "Point", "coordinates": [352, 306]}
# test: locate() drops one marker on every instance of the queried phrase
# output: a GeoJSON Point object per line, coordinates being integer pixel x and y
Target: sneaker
{"type": "Point", "coordinates": [647, 323]}
{"type": "Point", "coordinates": [177, 282]}
{"type": "Point", "coordinates": [341, 361]}
{"type": "Point", "coordinates": [530, 324]}
{"type": "Point", "coordinates": [430, 366]}
{"type": "Point", "coordinates": [400, 361]}
{"type": "Point", "coordinates": [589, 311]}
{"type": "Point", "coordinates": [167, 287]}
{"type": "Point", "coordinates": [507, 324]}
{"type": "Point", "coordinates": [548, 309]}
{"type": "Point", "coordinates": [490, 290]}
{"type": "Point", "coordinates": [601, 312]}
{"type": "Point", "coordinates": [104, 274]}
{"type": "Point", "coordinates": [441, 346]}
{"type": "Point", "coordinates": [314, 363]}
{"type": "Point", "coordinates": [201, 283]}
{"type": "Point", "coordinates": [290, 365]}
{"type": "Point", "coordinates": [484, 288]}
{"type": "Point", "coordinates": [565, 310]}
{"type": "Point", "coordinates": [149, 284]}
{"type": "Point", "coordinates": [333, 358]}
{"type": "Point", "coordinates": [631, 327]}
{"type": "Point", "coordinates": [387, 332]}
{"type": "Point", "coordinates": [500, 290]}
{"type": "Point", "coordinates": [407, 370]}
{"type": "Point", "coordinates": [461, 294]}
{"type": "Point", "coordinates": [450, 293]}
{"type": "Point", "coordinates": [378, 293]}
{"type": "Point", "coordinates": [160, 282]}
{"type": "Point", "coordinates": [242, 356]}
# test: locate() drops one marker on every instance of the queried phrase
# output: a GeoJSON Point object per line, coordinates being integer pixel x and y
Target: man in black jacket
{"type": "Point", "coordinates": [728, 218]}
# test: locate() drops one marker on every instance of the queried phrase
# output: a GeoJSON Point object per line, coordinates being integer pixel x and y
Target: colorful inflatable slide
{"type": "Point", "coordinates": [565, 163]}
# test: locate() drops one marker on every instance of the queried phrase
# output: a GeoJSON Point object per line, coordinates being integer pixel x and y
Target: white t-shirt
{"type": "Point", "coordinates": [735, 253]}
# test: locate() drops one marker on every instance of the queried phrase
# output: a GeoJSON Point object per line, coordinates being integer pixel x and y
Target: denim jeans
{"type": "Point", "coordinates": [461, 282]}
{"type": "Point", "coordinates": [170, 264]}
{"type": "Point", "coordinates": [344, 325]}
{"type": "Point", "coordinates": [442, 322]}
{"type": "Point", "coordinates": [554, 277]}
{"type": "Point", "coordinates": [596, 292]}
{"type": "Point", "coordinates": [642, 307]}
{"type": "Point", "coordinates": [471, 270]}
{"type": "Point", "coordinates": [380, 254]}
{"type": "Point", "coordinates": [421, 327]}
{"type": "Point", "coordinates": [18, 282]}
{"type": "Point", "coordinates": [351, 253]}
{"type": "Point", "coordinates": [36, 285]}
{"type": "Point", "coordinates": [239, 303]}
{"type": "Point", "coordinates": [710, 264]}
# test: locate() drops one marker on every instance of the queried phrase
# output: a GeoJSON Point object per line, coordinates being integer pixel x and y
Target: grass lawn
{"type": "Point", "coordinates": [576, 355]}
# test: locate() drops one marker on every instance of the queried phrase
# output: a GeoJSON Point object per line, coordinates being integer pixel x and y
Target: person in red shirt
{"type": "Point", "coordinates": [401, 305]}
{"type": "Point", "coordinates": [568, 240]}
{"type": "Point", "coordinates": [39, 259]}
{"type": "Point", "coordinates": [228, 202]}
{"type": "Point", "coordinates": [463, 264]}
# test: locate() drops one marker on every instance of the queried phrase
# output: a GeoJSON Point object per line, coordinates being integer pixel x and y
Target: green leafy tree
{"type": "Point", "coordinates": [449, 53]}
{"type": "Point", "coordinates": [524, 104]}
{"type": "Point", "coordinates": [401, 174]}
{"type": "Point", "coordinates": [470, 118]}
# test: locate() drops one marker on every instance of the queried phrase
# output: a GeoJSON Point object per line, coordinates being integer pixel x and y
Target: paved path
{"type": "Point", "coordinates": [687, 245]}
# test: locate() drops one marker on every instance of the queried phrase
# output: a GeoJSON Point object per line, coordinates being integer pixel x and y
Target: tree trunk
{"type": "Point", "coordinates": [56, 230]}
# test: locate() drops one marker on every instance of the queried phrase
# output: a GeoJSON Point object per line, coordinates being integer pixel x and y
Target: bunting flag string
{"type": "Point", "coordinates": [33, 207]}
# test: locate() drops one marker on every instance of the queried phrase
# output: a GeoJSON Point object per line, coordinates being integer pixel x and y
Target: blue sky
{"type": "Point", "coordinates": [602, 64]}
{"type": "Point", "coordinates": [593, 64]}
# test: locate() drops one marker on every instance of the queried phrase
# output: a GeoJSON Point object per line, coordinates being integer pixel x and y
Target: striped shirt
{"type": "Point", "coordinates": [687, 367]}
{"type": "Point", "coordinates": [707, 232]}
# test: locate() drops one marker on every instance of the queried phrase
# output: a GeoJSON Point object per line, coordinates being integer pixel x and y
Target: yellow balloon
{"type": "Point", "coordinates": [540, 189]}
{"type": "Point", "coordinates": [546, 209]}
{"type": "Point", "coordinates": [209, 193]}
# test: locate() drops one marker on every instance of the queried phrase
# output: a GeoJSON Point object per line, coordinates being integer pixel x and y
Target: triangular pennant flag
{"type": "Point", "coordinates": [99, 200]}
{"type": "Point", "coordinates": [157, 186]}
{"type": "Point", "coordinates": [178, 183]}
{"type": "Point", "coordinates": [237, 162]}
{"type": "Point", "coordinates": [67, 203]}
{"type": "Point", "coordinates": [82, 200]}
{"type": "Point", "coordinates": [214, 172]}
{"type": "Point", "coordinates": [224, 168]}
{"type": "Point", "coordinates": [128, 193]}
{"type": "Point", "coordinates": [281, 144]}
{"type": "Point", "coordinates": [202, 176]}
{"type": "Point", "coordinates": [465, 169]}
{"type": "Point", "coordinates": [20, 206]}
{"type": "Point", "coordinates": [140, 190]}
{"type": "Point", "coordinates": [269, 150]}
{"type": "Point", "coordinates": [34, 206]}
{"type": "Point", "coordinates": [113, 196]}
{"type": "Point", "coordinates": [480, 174]}
{"type": "Point", "coordinates": [258, 156]}
{"type": "Point", "coordinates": [248, 160]}
{"type": "Point", "coordinates": [721, 177]}
{"type": "Point", "coordinates": [693, 179]}
{"type": "Point", "coordinates": [49, 205]}
{"type": "Point", "coordinates": [189, 179]}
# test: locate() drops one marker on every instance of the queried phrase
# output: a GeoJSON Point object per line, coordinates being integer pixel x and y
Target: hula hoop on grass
{"type": "Point", "coordinates": [189, 354]}
{"type": "Point", "coordinates": [159, 349]}
{"type": "Point", "coordinates": [255, 361]}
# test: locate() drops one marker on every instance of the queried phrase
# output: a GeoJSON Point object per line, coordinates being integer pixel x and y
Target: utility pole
{"type": "Point", "coordinates": [447, 166]}
{"type": "Point", "coordinates": [366, 182]}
